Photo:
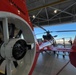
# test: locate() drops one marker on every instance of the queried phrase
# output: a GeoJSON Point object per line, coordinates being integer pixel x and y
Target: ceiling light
{"type": "Point", "coordinates": [55, 11]}
{"type": "Point", "coordinates": [33, 16]}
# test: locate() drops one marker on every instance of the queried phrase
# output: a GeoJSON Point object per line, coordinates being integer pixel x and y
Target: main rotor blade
{"type": "Point", "coordinates": [64, 31]}
{"type": "Point", "coordinates": [41, 27]}
{"type": "Point", "coordinates": [58, 31]}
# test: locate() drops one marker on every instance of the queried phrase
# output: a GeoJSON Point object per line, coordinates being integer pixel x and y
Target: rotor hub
{"type": "Point", "coordinates": [15, 49]}
{"type": "Point", "coordinates": [19, 49]}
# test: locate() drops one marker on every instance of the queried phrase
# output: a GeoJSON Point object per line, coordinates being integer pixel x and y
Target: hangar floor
{"type": "Point", "coordinates": [50, 64]}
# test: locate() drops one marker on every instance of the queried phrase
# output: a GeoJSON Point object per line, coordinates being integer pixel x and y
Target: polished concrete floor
{"type": "Point", "coordinates": [50, 64]}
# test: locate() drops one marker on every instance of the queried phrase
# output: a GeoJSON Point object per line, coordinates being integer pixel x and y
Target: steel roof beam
{"type": "Point", "coordinates": [37, 14]}
{"type": "Point", "coordinates": [54, 19]}
{"type": "Point", "coordinates": [47, 5]}
{"type": "Point", "coordinates": [63, 10]}
{"type": "Point", "coordinates": [46, 12]}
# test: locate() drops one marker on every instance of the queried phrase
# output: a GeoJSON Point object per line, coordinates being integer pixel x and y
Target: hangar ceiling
{"type": "Point", "coordinates": [51, 12]}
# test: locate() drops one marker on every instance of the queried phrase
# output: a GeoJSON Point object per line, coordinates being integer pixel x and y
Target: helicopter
{"type": "Point", "coordinates": [48, 36]}
{"type": "Point", "coordinates": [18, 51]}
{"type": "Point", "coordinates": [54, 48]}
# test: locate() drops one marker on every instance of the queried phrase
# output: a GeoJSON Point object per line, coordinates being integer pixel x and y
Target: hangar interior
{"type": "Point", "coordinates": [41, 13]}
{"type": "Point", "coordinates": [51, 12]}
{"type": "Point", "coordinates": [48, 13]}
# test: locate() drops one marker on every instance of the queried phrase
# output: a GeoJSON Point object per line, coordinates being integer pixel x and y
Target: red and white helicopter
{"type": "Point", "coordinates": [19, 48]}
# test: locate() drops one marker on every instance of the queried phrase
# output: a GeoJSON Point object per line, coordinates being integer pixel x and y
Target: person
{"type": "Point", "coordinates": [70, 41]}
